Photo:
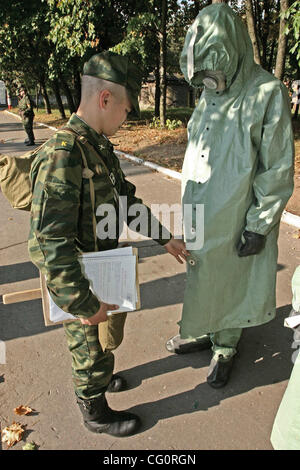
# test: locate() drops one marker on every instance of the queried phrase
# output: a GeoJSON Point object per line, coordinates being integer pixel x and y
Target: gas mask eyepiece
{"type": "Point", "coordinates": [214, 80]}
{"type": "Point", "coordinates": [210, 83]}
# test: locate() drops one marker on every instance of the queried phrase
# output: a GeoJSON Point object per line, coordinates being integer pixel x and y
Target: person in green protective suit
{"type": "Point", "coordinates": [239, 165]}
{"type": "Point", "coordinates": [286, 428]}
{"type": "Point", "coordinates": [26, 112]}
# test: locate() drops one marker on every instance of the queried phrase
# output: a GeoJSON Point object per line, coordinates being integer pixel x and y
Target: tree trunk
{"type": "Point", "coordinates": [68, 94]}
{"type": "Point", "coordinates": [191, 97]}
{"type": "Point", "coordinates": [162, 63]}
{"type": "Point", "coordinates": [271, 56]}
{"type": "Point", "coordinates": [45, 97]}
{"type": "Point", "coordinates": [37, 95]}
{"type": "Point", "coordinates": [296, 112]}
{"type": "Point", "coordinates": [297, 107]}
{"type": "Point", "coordinates": [282, 41]}
{"type": "Point", "coordinates": [265, 32]}
{"type": "Point", "coordinates": [157, 89]}
{"type": "Point", "coordinates": [196, 7]}
{"type": "Point", "coordinates": [59, 102]}
{"type": "Point", "coordinates": [77, 86]}
{"type": "Point", "coordinates": [252, 30]}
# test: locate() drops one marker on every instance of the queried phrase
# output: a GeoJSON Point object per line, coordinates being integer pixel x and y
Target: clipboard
{"type": "Point", "coordinates": [46, 305]}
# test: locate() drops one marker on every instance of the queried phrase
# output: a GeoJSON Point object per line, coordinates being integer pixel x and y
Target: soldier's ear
{"type": "Point", "coordinates": [104, 99]}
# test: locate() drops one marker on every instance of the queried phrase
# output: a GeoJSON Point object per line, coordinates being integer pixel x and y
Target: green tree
{"type": "Point", "coordinates": [24, 51]}
{"type": "Point", "coordinates": [292, 16]}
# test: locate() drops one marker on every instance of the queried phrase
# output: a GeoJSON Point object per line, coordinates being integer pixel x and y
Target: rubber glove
{"type": "Point", "coordinates": [251, 244]}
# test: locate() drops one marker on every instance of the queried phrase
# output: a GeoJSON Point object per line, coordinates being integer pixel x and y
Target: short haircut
{"type": "Point", "coordinates": [92, 85]}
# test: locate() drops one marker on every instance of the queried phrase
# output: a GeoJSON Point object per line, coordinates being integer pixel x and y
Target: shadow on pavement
{"type": "Point", "coordinates": [262, 360]}
{"type": "Point", "coordinates": [23, 319]}
{"type": "Point", "coordinates": [168, 291]}
{"type": "Point", "coordinates": [18, 272]}
{"type": "Point", "coordinates": [14, 126]}
{"type": "Point", "coordinates": [26, 318]}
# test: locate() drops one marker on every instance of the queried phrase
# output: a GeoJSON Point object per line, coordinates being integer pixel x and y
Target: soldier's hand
{"type": "Point", "coordinates": [176, 248]}
{"type": "Point", "coordinates": [100, 316]}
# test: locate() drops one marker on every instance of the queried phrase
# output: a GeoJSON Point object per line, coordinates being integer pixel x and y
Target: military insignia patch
{"type": "Point", "coordinates": [64, 142]}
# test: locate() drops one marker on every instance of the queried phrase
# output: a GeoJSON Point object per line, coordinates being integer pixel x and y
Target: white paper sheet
{"type": "Point", "coordinates": [112, 275]}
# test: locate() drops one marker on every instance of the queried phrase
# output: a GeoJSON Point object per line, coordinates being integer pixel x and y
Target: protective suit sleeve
{"type": "Point", "coordinates": [273, 182]}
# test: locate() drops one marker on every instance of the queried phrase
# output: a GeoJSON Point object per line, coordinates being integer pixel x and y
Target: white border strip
{"type": "Point", "coordinates": [13, 114]}
{"type": "Point", "coordinates": [290, 219]}
{"type": "Point", "coordinates": [153, 166]}
{"type": "Point", "coordinates": [286, 217]}
{"type": "Point", "coordinates": [37, 123]}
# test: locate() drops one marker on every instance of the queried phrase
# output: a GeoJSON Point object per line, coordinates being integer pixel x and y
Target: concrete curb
{"type": "Point", "coordinates": [286, 217]}
{"type": "Point", "coordinates": [153, 166]}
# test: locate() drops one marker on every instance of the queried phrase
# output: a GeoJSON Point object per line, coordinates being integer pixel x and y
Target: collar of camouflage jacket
{"type": "Point", "coordinates": [97, 140]}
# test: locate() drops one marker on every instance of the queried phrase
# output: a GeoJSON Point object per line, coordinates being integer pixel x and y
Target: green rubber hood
{"type": "Point", "coordinates": [217, 40]}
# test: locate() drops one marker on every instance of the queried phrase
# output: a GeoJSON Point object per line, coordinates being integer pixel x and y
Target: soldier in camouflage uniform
{"type": "Point", "coordinates": [62, 224]}
{"type": "Point", "coordinates": [26, 112]}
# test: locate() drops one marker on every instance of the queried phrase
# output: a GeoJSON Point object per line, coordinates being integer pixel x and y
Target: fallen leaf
{"type": "Point", "coordinates": [258, 360]}
{"type": "Point", "coordinates": [296, 235]}
{"type": "Point", "coordinates": [30, 446]}
{"type": "Point", "coordinates": [22, 410]}
{"type": "Point", "coordinates": [12, 434]}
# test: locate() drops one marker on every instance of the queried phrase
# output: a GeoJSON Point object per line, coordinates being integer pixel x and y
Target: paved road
{"type": "Point", "coordinates": [179, 410]}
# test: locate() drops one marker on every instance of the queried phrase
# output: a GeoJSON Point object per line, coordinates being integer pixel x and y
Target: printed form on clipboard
{"type": "Point", "coordinates": [113, 277]}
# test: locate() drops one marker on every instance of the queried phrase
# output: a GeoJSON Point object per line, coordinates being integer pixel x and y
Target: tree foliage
{"type": "Point", "coordinates": [46, 42]}
{"type": "Point", "coordinates": [293, 27]}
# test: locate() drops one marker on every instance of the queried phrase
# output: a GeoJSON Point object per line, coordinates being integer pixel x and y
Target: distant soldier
{"type": "Point", "coordinates": [27, 114]}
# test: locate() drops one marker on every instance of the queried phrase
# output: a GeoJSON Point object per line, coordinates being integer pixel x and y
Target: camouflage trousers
{"type": "Point", "coordinates": [91, 350]}
{"type": "Point", "coordinates": [28, 126]}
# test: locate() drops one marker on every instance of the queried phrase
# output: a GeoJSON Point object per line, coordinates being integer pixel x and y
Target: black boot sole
{"type": "Point", "coordinates": [191, 347]}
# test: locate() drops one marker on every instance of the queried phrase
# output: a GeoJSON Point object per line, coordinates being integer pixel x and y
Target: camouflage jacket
{"type": "Point", "coordinates": [61, 212]}
{"type": "Point", "coordinates": [25, 106]}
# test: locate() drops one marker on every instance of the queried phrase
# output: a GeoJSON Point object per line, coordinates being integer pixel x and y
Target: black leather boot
{"type": "Point", "coordinates": [99, 418]}
{"type": "Point", "coordinates": [219, 371]}
{"type": "Point", "coordinates": [178, 345]}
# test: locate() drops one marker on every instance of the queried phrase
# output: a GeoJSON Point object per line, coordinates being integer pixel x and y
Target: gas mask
{"type": "Point", "coordinates": [214, 80]}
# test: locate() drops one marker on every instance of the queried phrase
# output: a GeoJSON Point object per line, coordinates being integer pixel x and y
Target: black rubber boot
{"type": "Point", "coordinates": [30, 143]}
{"type": "Point", "coordinates": [219, 372]}
{"type": "Point", "coordinates": [99, 418]}
{"type": "Point", "coordinates": [117, 384]}
{"type": "Point", "coordinates": [178, 345]}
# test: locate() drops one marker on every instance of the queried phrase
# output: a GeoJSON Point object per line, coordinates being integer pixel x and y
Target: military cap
{"type": "Point", "coordinates": [118, 69]}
